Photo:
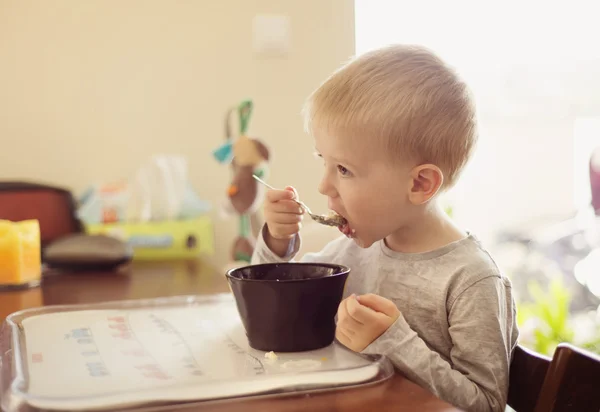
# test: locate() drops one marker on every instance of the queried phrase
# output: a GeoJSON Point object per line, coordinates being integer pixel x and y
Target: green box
{"type": "Point", "coordinates": [173, 239]}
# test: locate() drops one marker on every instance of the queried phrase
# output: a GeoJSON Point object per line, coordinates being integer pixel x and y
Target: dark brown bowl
{"type": "Point", "coordinates": [288, 307]}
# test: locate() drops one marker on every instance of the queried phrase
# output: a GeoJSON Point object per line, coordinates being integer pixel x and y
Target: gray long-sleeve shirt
{"type": "Point", "coordinates": [457, 327]}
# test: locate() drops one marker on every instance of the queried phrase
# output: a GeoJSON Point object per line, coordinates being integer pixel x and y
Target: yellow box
{"type": "Point", "coordinates": [173, 239]}
{"type": "Point", "coordinates": [20, 253]}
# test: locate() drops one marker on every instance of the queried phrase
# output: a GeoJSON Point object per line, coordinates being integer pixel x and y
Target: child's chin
{"type": "Point", "coordinates": [351, 234]}
{"type": "Point", "coordinates": [361, 243]}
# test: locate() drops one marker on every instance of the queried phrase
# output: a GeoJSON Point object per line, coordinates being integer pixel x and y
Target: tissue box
{"type": "Point", "coordinates": [160, 240]}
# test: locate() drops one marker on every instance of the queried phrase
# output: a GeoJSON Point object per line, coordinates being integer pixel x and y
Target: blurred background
{"type": "Point", "coordinates": [122, 100]}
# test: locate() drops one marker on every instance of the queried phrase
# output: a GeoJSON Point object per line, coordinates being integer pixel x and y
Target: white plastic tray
{"type": "Point", "coordinates": [135, 354]}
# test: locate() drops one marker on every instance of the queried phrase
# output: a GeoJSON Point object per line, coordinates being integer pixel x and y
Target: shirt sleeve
{"type": "Point", "coordinates": [262, 253]}
{"type": "Point", "coordinates": [482, 329]}
{"type": "Point", "coordinates": [330, 253]}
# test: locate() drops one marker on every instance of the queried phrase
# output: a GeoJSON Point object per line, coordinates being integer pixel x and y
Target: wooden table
{"type": "Point", "coordinates": [149, 280]}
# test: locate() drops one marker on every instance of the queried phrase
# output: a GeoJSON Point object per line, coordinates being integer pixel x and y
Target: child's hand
{"type": "Point", "coordinates": [283, 216]}
{"type": "Point", "coordinates": [363, 319]}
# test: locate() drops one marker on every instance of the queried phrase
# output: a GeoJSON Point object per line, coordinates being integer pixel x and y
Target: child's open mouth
{"type": "Point", "coordinates": [347, 230]}
{"type": "Point", "coordinates": [344, 227]}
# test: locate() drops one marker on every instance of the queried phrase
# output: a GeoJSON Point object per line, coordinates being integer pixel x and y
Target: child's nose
{"type": "Point", "coordinates": [326, 188]}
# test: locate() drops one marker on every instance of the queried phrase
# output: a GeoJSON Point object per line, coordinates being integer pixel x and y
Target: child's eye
{"type": "Point", "coordinates": [343, 171]}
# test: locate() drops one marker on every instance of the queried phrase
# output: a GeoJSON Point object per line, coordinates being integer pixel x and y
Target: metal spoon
{"type": "Point", "coordinates": [330, 220]}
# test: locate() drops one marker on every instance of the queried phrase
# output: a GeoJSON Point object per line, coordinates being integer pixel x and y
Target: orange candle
{"type": "Point", "coordinates": [20, 253]}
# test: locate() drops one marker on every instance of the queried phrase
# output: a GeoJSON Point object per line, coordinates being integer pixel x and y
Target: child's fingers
{"type": "Point", "coordinates": [350, 324]}
{"type": "Point", "coordinates": [347, 329]}
{"type": "Point", "coordinates": [286, 206]}
{"type": "Point", "coordinates": [277, 195]}
{"type": "Point", "coordinates": [285, 218]}
{"type": "Point", "coordinates": [293, 190]}
{"type": "Point", "coordinates": [345, 318]}
{"type": "Point", "coordinates": [342, 312]}
{"type": "Point", "coordinates": [378, 304]}
{"type": "Point", "coordinates": [360, 314]}
{"type": "Point", "coordinates": [274, 215]}
{"type": "Point", "coordinates": [282, 214]}
{"type": "Point", "coordinates": [343, 337]}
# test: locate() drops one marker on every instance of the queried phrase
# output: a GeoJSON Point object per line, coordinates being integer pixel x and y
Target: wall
{"type": "Point", "coordinates": [90, 89]}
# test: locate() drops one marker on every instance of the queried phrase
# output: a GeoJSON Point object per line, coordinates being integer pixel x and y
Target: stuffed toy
{"type": "Point", "coordinates": [246, 156]}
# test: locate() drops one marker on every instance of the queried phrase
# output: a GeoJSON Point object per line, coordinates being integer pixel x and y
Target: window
{"type": "Point", "coordinates": [587, 139]}
{"type": "Point", "coordinates": [533, 69]}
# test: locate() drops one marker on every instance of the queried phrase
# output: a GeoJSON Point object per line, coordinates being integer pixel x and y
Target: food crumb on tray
{"type": "Point", "coordinates": [271, 355]}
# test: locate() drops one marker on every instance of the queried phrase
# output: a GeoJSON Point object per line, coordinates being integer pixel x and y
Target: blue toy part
{"type": "Point", "coordinates": [224, 153]}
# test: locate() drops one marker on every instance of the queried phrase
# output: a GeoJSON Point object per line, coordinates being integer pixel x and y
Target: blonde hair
{"type": "Point", "coordinates": [406, 96]}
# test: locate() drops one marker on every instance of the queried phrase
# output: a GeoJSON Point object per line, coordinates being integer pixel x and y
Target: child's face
{"type": "Point", "coordinates": [364, 187]}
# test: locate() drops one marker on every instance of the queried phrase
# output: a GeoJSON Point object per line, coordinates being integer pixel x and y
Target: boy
{"type": "Point", "coordinates": [394, 128]}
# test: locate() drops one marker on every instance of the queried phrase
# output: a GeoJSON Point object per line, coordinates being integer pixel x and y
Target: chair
{"type": "Point", "coordinates": [527, 373]}
{"type": "Point", "coordinates": [572, 382]}
{"type": "Point", "coordinates": [53, 207]}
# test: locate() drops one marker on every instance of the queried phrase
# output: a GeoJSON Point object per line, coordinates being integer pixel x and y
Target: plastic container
{"type": "Point", "coordinates": [157, 354]}
{"type": "Point", "coordinates": [20, 254]}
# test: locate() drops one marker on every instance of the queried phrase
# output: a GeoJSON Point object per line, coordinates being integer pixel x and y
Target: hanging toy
{"type": "Point", "coordinates": [247, 156]}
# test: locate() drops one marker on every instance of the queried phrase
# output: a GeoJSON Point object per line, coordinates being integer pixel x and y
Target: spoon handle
{"type": "Point", "coordinates": [272, 188]}
{"type": "Point", "coordinates": [263, 182]}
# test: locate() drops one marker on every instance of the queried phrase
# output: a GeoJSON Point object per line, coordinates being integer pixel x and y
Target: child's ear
{"type": "Point", "coordinates": [426, 181]}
